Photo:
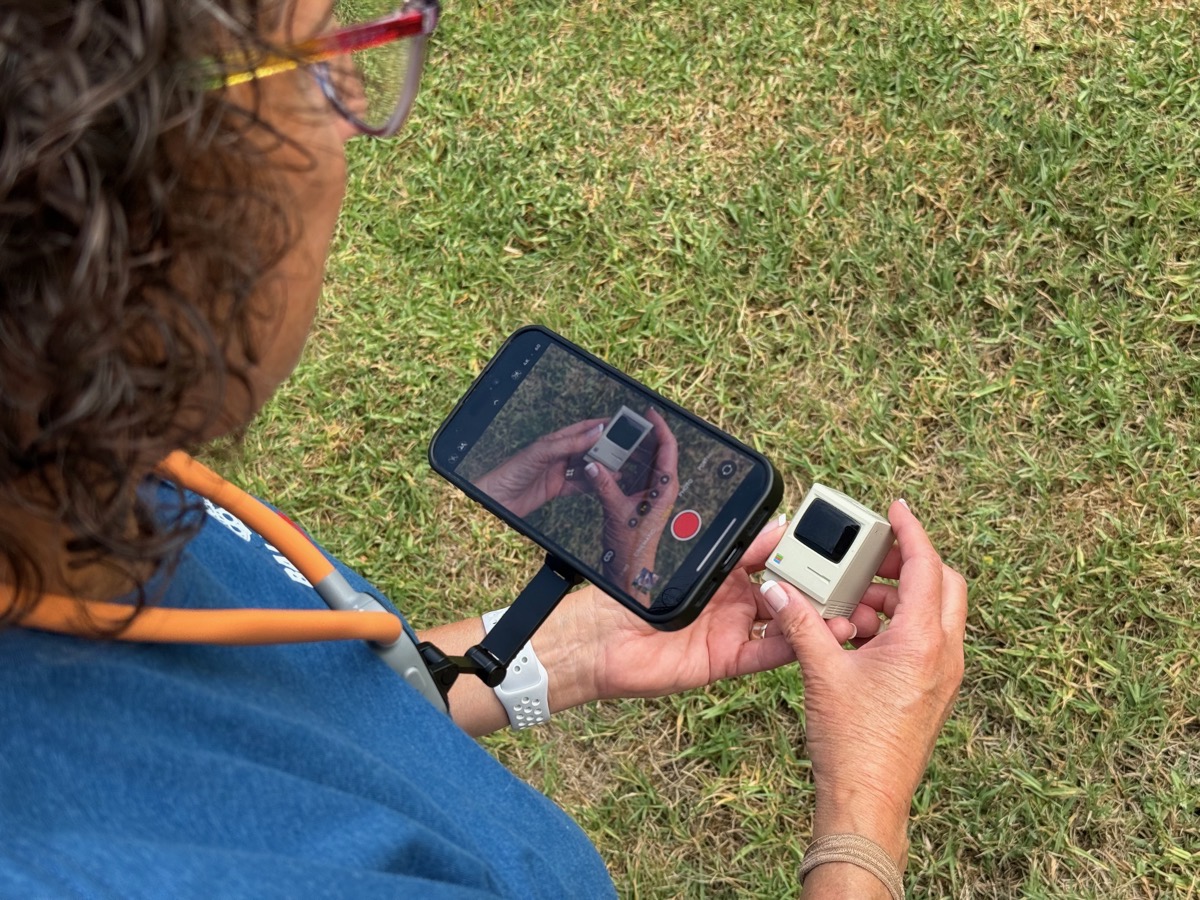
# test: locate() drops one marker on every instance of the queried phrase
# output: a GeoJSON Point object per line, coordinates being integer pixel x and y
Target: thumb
{"type": "Point", "coordinates": [802, 625]}
{"type": "Point", "coordinates": [603, 483]}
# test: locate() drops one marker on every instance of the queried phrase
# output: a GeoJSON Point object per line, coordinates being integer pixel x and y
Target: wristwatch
{"type": "Point", "coordinates": [525, 691]}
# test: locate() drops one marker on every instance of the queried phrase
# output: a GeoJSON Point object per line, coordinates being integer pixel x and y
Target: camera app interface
{"type": "Point", "coordinates": [623, 485]}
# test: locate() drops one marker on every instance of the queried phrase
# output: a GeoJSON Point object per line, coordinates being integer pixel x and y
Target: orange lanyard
{"type": "Point", "coordinates": [69, 615]}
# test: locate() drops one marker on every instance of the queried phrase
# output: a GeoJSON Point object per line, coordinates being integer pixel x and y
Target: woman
{"type": "Point", "coordinates": [170, 176]}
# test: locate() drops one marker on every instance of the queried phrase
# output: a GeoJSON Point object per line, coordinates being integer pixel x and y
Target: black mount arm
{"type": "Point", "coordinates": [489, 659]}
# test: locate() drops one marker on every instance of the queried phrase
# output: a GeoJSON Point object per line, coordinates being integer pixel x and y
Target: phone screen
{"type": "Point", "coordinates": [645, 500]}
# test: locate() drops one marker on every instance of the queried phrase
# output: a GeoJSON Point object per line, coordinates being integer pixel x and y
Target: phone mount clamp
{"type": "Point", "coordinates": [489, 659]}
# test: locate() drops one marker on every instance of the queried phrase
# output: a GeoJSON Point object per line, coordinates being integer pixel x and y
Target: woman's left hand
{"type": "Point", "coordinates": [594, 648]}
{"type": "Point", "coordinates": [634, 659]}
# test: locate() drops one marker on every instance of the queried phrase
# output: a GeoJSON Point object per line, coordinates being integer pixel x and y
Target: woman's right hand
{"type": "Point", "coordinates": [873, 714]}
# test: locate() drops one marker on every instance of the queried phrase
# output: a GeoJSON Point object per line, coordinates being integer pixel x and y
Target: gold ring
{"type": "Point", "coordinates": [759, 630]}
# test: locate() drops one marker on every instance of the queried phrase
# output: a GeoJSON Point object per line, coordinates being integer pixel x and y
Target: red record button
{"type": "Point", "coordinates": [686, 525]}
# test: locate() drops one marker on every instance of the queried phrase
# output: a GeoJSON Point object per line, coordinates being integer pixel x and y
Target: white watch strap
{"type": "Point", "coordinates": [525, 691]}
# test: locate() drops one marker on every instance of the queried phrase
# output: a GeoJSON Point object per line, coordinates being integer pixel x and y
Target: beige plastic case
{"type": "Point", "coordinates": [831, 550]}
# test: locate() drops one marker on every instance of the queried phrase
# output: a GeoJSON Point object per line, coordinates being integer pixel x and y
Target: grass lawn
{"type": "Point", "coordinates": [944, 251]}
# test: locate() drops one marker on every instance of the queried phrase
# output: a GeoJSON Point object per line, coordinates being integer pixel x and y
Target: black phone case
{"type": "Point", "coordinates": [684, 609]}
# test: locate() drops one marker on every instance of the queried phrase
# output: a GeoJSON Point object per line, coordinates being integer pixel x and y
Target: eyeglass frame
{"type": "Point", "coordinates": [416, 20]}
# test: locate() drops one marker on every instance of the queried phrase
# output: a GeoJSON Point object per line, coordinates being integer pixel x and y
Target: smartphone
{"type": "Point", "coordinates": [650, 503]}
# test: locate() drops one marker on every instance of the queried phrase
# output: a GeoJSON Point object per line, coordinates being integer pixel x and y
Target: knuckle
{"type": "Point", "coordinates": [930, 656]}
{"type": "Point", "coordinates": [791, 629]}
{"type": "Point", "coordinates": [931, 565]}
{"type": "Point", "coordinates": [957, 667]}
{"type": "Point", "coordinates": [954, 577]}
{"type": "Point", "coordinates": [796, 627]}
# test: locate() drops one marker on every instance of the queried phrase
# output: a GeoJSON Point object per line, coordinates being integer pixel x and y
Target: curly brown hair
{"type": "Point", "coordinates": [125, 268]}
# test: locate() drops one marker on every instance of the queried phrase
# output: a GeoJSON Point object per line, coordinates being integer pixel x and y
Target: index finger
{"type": "Point", "coordinates": [577, 438]}
{"type": "Point", "coordinates": [920, 587]}
{"type": "Point", "coordinates": [583, 427]}
{"type": "Point", "coordinates": [666, 458]}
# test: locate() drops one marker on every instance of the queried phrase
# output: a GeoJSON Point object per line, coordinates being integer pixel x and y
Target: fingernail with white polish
{"type": "Point", "coordinates": [592, 470]}
{"type": "Point", "coordinates": [774, 523]}
{"type": "Point", "coordinates": [776, 598]}
{"type": "Point", "coordinates": [905, 502]}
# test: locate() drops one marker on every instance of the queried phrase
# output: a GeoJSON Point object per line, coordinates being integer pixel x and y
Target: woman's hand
{"type": "Point", "coordinates": [537, 473]}
{"type": "Point", "coordinates": [594, 648]}
{"type": "Point", "coordinates": [620, 655]}
{"type": "Point", "coordinates": [872, 714]}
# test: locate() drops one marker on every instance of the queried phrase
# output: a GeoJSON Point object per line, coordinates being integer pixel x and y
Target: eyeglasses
{"type": "Point", "coordinates": [369, 72]}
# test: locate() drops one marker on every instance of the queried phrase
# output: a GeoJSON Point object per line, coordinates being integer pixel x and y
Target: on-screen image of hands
{"type": "Point", "coordinates": [537, 473]}
{"type": "Point", "coordinates": [634, 523]}
{"type": "Point", "coordinates": [872, 714]}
